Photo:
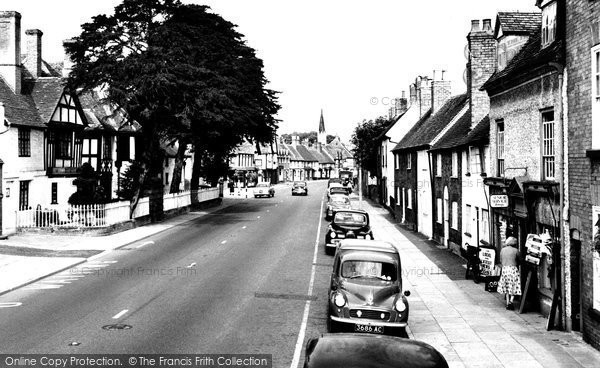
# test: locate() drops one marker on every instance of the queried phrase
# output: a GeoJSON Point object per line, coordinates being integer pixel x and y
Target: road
{"type": "Point", "coordinates": [233, 281]}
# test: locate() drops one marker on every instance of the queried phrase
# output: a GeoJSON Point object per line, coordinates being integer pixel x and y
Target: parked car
{"type": "Point", "coordinates": [337, 202]}
{"type": "Point", "coordinates": [336, 188]}
{"type": "Point", "coordinates": [347, 224]}
{"type": "Point", "coordinates": [264, 190]}
{"type": "Point", "coordinates": [365, 292]}
{"type": "Point", "coordinates": [299, 188]}
{"type": "Point", "coordinates": [334, 180]}
{"type": "Point", "coordinates": [361, 351]}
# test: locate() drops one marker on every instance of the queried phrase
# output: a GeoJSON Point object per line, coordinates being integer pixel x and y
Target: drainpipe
{"type": "Point", "coordinates": [433, 199]}
{"type": "Point", "coordinates": [564, 205]}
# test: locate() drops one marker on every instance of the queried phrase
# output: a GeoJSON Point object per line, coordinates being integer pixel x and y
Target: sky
{"type": "Point", "coordinates": [347, 57]}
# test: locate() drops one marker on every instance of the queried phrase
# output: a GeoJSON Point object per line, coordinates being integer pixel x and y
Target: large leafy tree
{"type": "Point", "coordinates": [365, 140]}
{"type": "Point", "coordinates": [184, 74]}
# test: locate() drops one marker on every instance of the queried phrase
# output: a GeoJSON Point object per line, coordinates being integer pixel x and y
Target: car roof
{"type": "Point", "coordinates": [362, 350]}
{"type": "Point", "coordinates": [335, 185]}
{"type": "Point", "coordinates": [365, 244]}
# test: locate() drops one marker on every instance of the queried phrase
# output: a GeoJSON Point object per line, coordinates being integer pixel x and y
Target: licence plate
{"type": "Point", "coordinates": [368, 329]}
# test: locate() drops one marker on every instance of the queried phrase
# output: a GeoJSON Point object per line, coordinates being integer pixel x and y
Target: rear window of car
{"type": "Point", "coordinates": [338, 190]}
{"type": "Point", "coordinates": [368, 269]}
{"type": "Point", "coordinates": [262, 185]}
{"type": "Point", "coordinates": [347, 218]}
{"type": "Point", "coordinates": [300, 184]}
{"type": "Point", "coordinates": [340, 200]}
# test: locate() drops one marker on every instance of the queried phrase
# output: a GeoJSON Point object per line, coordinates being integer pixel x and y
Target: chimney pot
{"type": "Point", "coordinates": [487, 25]}
{"type": "Point", "coordinates": [475, 25]}
{"type": "Point", "coordinates": [10, 49]}
{"type": "Point", "coordinates": [67, 63]}
{"type": "Point", "coordinates": [403, 94]}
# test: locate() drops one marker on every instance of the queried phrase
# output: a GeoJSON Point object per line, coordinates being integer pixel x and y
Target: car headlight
{"type": "Point", "coordinates": [400, 306]}
{"type": "Point", "coordinates": [333, 234]}
{"type": "Point", "coordinates": [339, 300]}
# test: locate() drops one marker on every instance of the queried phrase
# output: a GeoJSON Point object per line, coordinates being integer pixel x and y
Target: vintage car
{"type": "Point", "coordinates": [264, 190]}
{"type": "Point", "coordinates": [299, 188]}
{"type": "Point", "coordinates": [365, 293]}
{"type": "Point", "coordinates": [347, 224]}
{"type": "Point", "coordinates": [337, 202]}
{"type": "Point", "coordinates": [336, 188]}
{"type": "Point", "coordinates": [334, 181]}
{"type": "Point", "coordinates": [362, 350]}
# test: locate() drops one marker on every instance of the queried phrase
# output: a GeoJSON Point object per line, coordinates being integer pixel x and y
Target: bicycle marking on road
{"type": "Point", "coordinates": [303, 325]}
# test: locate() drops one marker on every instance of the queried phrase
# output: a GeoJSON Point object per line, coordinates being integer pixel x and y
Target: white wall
{"type": "Point", "coordinates": [424, 194]}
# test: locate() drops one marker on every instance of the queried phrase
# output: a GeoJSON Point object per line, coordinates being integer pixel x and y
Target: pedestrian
{"type": "Point", "coordinates": [510, 278]}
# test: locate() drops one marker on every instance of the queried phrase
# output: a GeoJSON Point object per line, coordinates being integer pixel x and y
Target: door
{"type": "Point", "coordinates": [446, 217]}
{"type": "Point", "coordinates": [424, 200]}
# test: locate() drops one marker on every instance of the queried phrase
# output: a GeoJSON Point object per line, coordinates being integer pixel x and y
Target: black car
{"type": "Point", "coordinates": [369, 351]}
{"type": "Point", "coordinates": [299, 188]}
{"type": "Point", "coordinates": [347, 224]}
{"type": "Point", "coordinates": [365, 293]}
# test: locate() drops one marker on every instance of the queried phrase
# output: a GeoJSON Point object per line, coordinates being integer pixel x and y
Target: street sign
{"type": "Point", "coordinates": [499, 201]}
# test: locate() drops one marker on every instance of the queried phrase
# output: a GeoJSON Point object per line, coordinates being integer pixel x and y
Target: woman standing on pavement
{"type": "Point", "coordinates": [510, 279]}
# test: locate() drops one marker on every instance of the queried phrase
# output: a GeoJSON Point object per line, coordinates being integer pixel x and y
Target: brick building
{"type": "Point", "coordinates": [582, 195]}
{"type": "Point", "coordinates": [526, 139]}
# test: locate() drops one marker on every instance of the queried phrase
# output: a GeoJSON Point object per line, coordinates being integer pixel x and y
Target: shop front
{"type": "Point", "coordinates": [529, 211]}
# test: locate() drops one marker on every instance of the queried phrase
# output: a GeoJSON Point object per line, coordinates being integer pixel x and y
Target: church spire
{"type": "Point", "coordinates": [322, 136]}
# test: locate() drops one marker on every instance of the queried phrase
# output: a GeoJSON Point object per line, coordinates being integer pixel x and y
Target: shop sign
{"type": "Point", "coordinates": [537, 245]}
{"type": "Point", "coordinates": [499, 201]}
{"type": "Point", "coordinates": [487, 256]}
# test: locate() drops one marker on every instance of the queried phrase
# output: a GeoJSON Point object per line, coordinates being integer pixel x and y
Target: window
{"type": "Point", "coordinates": [408, 161]}
{"type": "Point", "coordinates": [455, 164]}
{"type": "Point", "coordinates": [166, 162]}
{"type": "Point", "coordinates": [548, 24]}
{"type": "Point", "coordinates": [595, 74]}
{"type": "Point", "coordinates": [397, 195]}
{"type": "Point", "coordinates": [548, 164]}
{"type": "Point", "coordinates": [396, 161]}
{"type": "Point", "coordinates": [468, 219]}
{"type": "Point", "coordinates": [23, 195]}
{"type": "Point", "coordinates": [455, 215]}
{"type": "Point", "coordinates": [54, 190]}
{"type": "Point", "coordinates": [64, 141]}
{"type": "Point", "coordinates": [438, 165]}
{"type": "Point", "coordinates": [166, 178]}
{"type": "Point", "coordinates": [439, 210]}
{"type": "Point", "coordinates": [475, 161]}
{"type": "Point", "coordinates": [123, 149]}
{"type": "Point", "coordinates": [409, 198]}
{"type": "Point", "coordinates": [485, 225]}
{"type": "Point", "coordinates": [24, 142]}
{"type": "Point", "coordinates": [90, 152]}
{"type": "Point", "coordinates": [500, 147]}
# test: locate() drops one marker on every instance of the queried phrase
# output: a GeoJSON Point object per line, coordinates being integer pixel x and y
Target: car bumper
{"type": "Point", "coordinates": [350, 322]}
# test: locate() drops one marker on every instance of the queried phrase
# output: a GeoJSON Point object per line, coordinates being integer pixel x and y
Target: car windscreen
{"type": "Point", "coordinates": [299, 184]}
{"type": "Point", "coordinates": [369, 269]}
{"type": "Point", "coordinates": [349, 218]}
{"type": "Point", "coordinates": [340, 200]}
{"type": "Point", "coordinates": [338, 190]}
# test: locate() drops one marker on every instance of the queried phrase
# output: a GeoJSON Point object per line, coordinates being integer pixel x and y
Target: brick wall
{"type": "Point", "coordinates": [454, 195]}
{"type": "Point", "coordinates": [482, 64]}
{"type": "Point", "coordinates": [407, 179]}
{"type": "Point", "coordinates": [580, 14]}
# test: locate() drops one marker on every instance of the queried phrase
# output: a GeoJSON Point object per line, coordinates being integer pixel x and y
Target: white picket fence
{"type": "Point", "coordinates": [102, 215]}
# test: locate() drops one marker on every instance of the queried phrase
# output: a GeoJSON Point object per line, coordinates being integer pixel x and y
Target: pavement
{"type": "Point", "coordinates": [467, 324]}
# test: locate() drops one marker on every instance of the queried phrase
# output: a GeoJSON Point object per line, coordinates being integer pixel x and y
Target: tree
{"type": "Point", "coordinates": [310, 137]}
{"type": "Point", "coordinates": [184, 74]}
{"type": "Point", "coordinates": [366, 143]}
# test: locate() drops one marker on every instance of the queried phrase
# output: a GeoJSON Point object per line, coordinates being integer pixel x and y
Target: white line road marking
{"type": "Point", "coordinates": [10, 304]}
{"type": "Point", "coordinates": [224, 241]}
{"type": "Point", "coordinates": [120, 314]}
{"type": "Point", "coordinates": [51, 282]}
{"type": "Point", "coordinates": [268, 211]}
{"type": "Point", "coordinates": [302, 332]}
{"type": "Point", "coordinates": [96, 265]}
{"type": "Point", "coordinates": [243, 227]}
{"type": "Point", "coordinates": [42, 286]}
{"type": "Point", "coordinates": [257, 216]}
{"type": "Point", "coordinates": [68, 275]}
{"type": "Point", "coordinates": [99, 255]}
{"type": "Point", "coordinates": [110, 261]}
{"type": "Point", "coordinates": [145, 243]}
{"type": "Point", "coordinates": [191, 265]}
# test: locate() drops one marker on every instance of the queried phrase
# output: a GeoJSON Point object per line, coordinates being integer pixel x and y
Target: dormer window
{"type": "Point", "coordinates": [548, 24]}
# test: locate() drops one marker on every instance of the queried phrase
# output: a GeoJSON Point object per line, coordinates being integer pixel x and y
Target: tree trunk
{"type": "Point", "coordinates": [195, 182]}
{"type": "Point", "coordinates": [136, 196]}
{"type": "Point", "coordinates": [178, 168]}
{"type": "Point", "coordinates": [151, 164]}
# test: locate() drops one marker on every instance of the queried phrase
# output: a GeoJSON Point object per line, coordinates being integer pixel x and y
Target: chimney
{"type": "Point", "coordinates": [33, 63]}
{"type": "Point", "coordinates": [424, 90]}
{"type": "Point", "coordinates": [295, 140]}
{"type": "Point", "coordinates": [413, 94]}
{"type": "Point", "coordinates": [480, 67]}
{"type": "Point", "coordinates": [320, 146]}
{"type": "Point", "coordinates": [401, 104]}
{"type": "Point", "coordinates": [440, 92]}
{"type": "Point", "coordinates": [10, 49]}
{"type": "Point", "coordinates": [67, 63]}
